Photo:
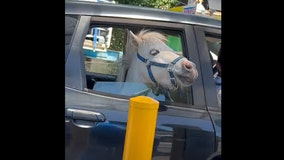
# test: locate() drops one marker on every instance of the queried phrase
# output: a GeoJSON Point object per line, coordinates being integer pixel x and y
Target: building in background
{"type": "Point", "coordinates": [210, 8]}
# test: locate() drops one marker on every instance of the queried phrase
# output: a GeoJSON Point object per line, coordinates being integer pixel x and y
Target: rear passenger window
{"type": "Point", "coordinates": [103, 51]}
{"type": "Point", "coordinates": [109, 51]}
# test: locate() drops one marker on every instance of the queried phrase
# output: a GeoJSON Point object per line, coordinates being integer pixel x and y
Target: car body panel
{"type": "Point", "coordinates": [178, 130]}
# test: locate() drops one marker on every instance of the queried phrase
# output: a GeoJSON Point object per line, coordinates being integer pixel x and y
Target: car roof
{"type": "Point", "coordinates": [135, 12]}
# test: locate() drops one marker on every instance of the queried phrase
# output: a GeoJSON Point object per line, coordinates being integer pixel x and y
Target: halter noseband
{"type": "Point", "coordinates": [168, 66]}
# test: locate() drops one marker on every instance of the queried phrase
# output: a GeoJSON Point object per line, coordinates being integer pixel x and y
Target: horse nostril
{"type": "Point", "coordinates": [187, 65]}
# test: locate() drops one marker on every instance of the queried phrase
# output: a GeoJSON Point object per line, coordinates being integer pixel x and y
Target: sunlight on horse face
{"type": "Point", "coordinates": [153, 51]}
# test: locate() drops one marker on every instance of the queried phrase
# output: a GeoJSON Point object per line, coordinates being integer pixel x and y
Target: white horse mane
{"type": "Point", "coordinates": [146, 34]}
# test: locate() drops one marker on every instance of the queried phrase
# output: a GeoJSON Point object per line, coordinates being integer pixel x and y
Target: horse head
{"type": "Point", "coordinates": [156, 64]}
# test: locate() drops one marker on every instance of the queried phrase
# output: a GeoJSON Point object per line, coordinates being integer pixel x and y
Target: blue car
{"type": "Point", "coordinates": [99, 37]}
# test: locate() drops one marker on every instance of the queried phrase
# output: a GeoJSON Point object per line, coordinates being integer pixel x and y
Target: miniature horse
{"type": "Point", "coordinates": [155, 64]}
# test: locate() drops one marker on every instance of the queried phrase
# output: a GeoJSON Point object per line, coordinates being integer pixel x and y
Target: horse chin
{"type": "Point", "coordinates": [186, 80]}
{"type": "Point", "coordinates": [183, 83]}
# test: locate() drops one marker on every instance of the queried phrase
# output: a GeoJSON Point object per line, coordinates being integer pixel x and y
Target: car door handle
{"type": "Point", "coordinates": [84, 115]}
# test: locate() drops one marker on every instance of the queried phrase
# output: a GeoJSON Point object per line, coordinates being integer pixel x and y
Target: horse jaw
{"type": "Point", "coordinates": [184, 71]}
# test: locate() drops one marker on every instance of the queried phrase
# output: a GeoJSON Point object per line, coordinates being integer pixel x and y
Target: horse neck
{"type": "Point", "coordinates": [133, 71]}
{"type": "Point", "coordinates": [137, 72]}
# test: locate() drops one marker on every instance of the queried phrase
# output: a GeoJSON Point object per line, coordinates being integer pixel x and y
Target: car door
{"type": "Point", "coordinates": [95, 120]}
{"type": "Point", "coordinates": [209, 45]}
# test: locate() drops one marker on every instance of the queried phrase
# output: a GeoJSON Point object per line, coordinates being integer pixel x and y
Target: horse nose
{"type": "Point", "coordinates": [187, 65]}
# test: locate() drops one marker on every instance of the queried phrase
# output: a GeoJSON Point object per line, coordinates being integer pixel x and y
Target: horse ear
{"type": "Point", "coordinates": [135, 40]}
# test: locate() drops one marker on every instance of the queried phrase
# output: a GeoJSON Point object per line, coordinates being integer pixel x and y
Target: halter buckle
{"type": "Point", "coordinates": [148, 63]}
{"type": "Point", "coordinates": [170, 67]}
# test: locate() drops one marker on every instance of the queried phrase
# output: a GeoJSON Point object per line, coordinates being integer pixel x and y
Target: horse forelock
{"type": "Point", "coordinates": [147, 34]}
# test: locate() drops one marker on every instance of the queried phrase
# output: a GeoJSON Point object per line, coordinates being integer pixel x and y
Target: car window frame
{"type": "Point", "coordinates": [67, 47]}
{"type": "Point", "coordinates": [186, 29]}
{"type": "Point", "coordinates": [187, 37]}
{"type": "Point", "coordinates": [74, 65]}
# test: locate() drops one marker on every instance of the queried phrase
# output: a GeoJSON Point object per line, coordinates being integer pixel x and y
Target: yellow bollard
{"type": "Point", "coordinates": [140, 128]}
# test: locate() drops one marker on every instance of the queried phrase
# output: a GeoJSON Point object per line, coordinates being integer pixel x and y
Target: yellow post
{"type": "Point", "coordinates": [140, 128]}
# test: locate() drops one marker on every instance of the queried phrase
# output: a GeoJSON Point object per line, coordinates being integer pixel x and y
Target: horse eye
{"type": "Point", "coordinates": [154, 52]}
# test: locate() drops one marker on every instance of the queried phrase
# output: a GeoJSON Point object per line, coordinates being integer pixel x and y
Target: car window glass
{"type": "Point", "coordinates": [70, 25]}
{"type": "Point", "coordinates": [105, 49]}
{"type": "Point", "coordinates": [214, 45]}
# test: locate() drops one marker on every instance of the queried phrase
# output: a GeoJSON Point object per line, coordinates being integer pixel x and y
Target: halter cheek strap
{"type": "Point", "coordinates": [169, 67]}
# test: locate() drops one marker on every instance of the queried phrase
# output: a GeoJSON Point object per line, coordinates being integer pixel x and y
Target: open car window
{"type": "Point", "coordinates": [105, 50]}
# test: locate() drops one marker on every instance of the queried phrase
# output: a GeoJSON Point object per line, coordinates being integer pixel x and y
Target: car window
{"type": "Point", "coordinates": [214, 45]}
{"type": "Point", "coordinates": [105, 49]}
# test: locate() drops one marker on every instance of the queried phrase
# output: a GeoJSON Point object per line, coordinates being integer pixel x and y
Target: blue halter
{"type": "Point", "coordinates": [168, 66]}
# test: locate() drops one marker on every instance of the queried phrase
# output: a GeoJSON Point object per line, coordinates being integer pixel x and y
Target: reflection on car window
{"type": "Point", "coordinates": [70, 24]}
{"type": "Point", "coordinates": [105, 49]}
{"type": "Point", "coordinates": [214, 45]}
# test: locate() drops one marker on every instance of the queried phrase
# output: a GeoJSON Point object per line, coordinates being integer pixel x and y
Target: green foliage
{"type": "Point", "coordinates": [118, 34]}
{"type": "Point", "coordinates": [161, 4]}
{"type": "Point", "coordinates": [117, 39]}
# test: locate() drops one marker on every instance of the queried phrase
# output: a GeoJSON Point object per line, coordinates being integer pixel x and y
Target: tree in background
{"type": "Point", "coordinates": [117, 39]}
{"type": "Point", "coordinates": [161, 4]}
